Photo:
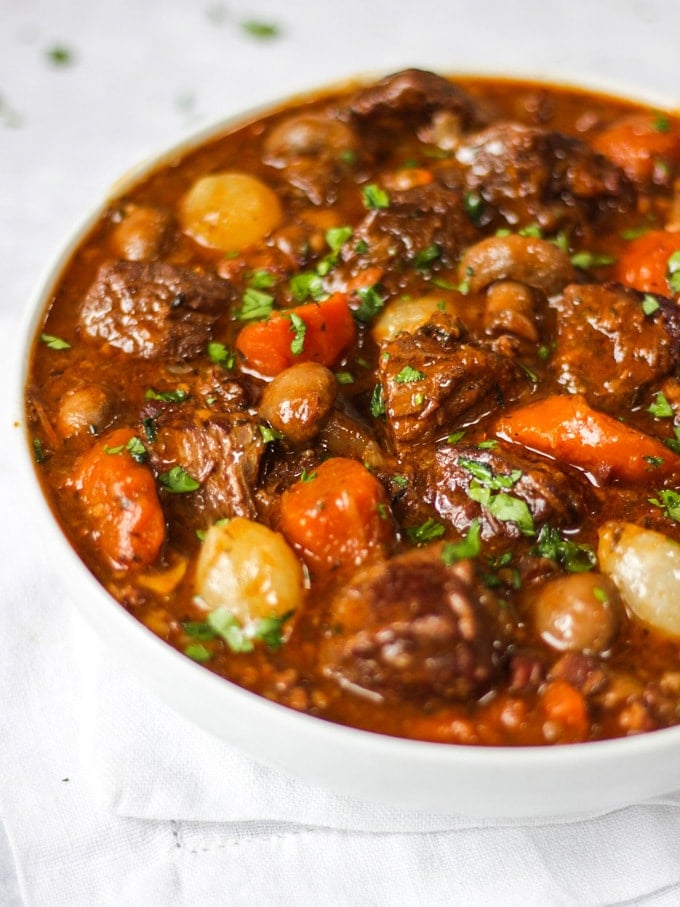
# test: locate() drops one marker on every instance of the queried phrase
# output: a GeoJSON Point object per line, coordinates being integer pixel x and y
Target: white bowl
{"type": "Point", "coordinates": [441, 778]}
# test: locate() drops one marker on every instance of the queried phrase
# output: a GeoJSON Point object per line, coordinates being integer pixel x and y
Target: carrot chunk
{"type": "Point", "coordinates": [567, 428]}
{"type": "Point", "coordinates": [645, 266]}
{"type": "Point", "coordinates": [314, 332]}
{"type": "Point", "coordinates": [336, 516]}
{"type": "Point", "coordinates": [643, 145]}
{"type": "Point", "coordinates": [121, 501]}
{"type": "Point", "coordinates": [565, 708]}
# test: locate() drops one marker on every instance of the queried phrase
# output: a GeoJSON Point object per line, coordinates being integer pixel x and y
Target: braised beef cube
{"type": "Point", "coordinates": [607, 347]}
{"type": "Point", "coordinates": [413, 626]}
{"type": "Point", "coordinates": [530, 174]}
{"type": "Point", "coordinates": [153, 309]}
{"type": "Point", "coordinates": [433, 379]}
{"type": "Point", "coordinates": [220, 451]}
{"type": "Point", "coordinates": [510, 494]}
{"type": "Point", "coordinates": [412, 95]}
{"type": "Point", "coordinates": [423, 220]}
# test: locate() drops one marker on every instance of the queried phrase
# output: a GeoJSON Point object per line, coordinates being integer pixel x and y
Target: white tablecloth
{"type": "Point", "coordinates": [107, 797]}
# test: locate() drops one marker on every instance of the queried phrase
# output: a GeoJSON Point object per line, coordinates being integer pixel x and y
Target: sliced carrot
{"type": "Point", "coordinates": [565, 706]}
{"type": "Point", "coordinates": [121, 502]}
{"type": "Point", "coordinates": [567, 428]}
{"type": "Point", "coordinates": [337, 516]}
{"type": "Point", "coordinates": [314, 332]}
{"type": "Point", "coordinates": [641, 144]}
{"type": "Point", "coordinates": [644, 263]}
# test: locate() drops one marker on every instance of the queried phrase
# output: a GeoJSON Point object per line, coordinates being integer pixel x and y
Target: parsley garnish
{"type": "Point", "coordinates": [54, 343]}
{"type": "Point", "coordinates": [371, 303]}
{"type": "Point", "coordinates": [307, 476]}
{"type": "Point", "coordinates": [423, 259]}
{"type": "Point", "coordinates": [400, 481]}
{"type": "Point", "coordinates": [261, 279]}
{"type": "Point", "coordinates": [474, 207]}
{"type": "Point", "coordinates": [59, 55]}
{"type": "Point", "coordinates": [661, 123]}
{"type": "Point", "coordinates": [134, 447]}
{"type": "Point", "coordinates": [270, 434]}
{"type": "Point", "coordinates": [573, 557]}
{"type": "Point", "coordinates": [38, 451]}
{"type": "Point", "coordinates": [409, 375]}
{"type": "Point", "coordinates": [425, 532]}
{"type": "Point", "coordinates": [149, 426]}
{"type": "Point", "coordinates": [229, 629]}
{"type": "Point", "coordinates": [673, 272]}
{"type": "Point", "coordinates": [377, 403]}
{"type": "Point", "coordinates": [270, 630]}
{"type": "Point", "coordinates": [178, 481]}
{"type": "Point", "coordinates": [661, 408]}
{"type": "Point", "coordinates": [221, 355]}
{"type": "Point", "coordinates": [198, 652]}
{"type": "Point", "coordinates": [199, 629]}
{"type": "Point", "coordinates": [669, 501]}
{"type": "Point", "coordinates": [344, 377]}
{"type": "Point", "coordinates": [261, 30]}
{"type": "Point", "coordinates": [176, 396]}
{"type": "Point", "coordinates": [488, 490]}
{"type": "Point", "coordinates": [650, 304]}
{"type": "Point", "coordinates": [255, 305]}
{"type": "Point", "coordinates": [307, 285]}
{"type": "Point", "coordinates": [297, 344]}
{"type": "Point", "coordinates": [456, 436]}
{"type": "Point", "coordinates": [585, 260]}
{"type": "Point", "coordinates": [374, 197]}
{"type": "Point", "coordinates": [469, 546]}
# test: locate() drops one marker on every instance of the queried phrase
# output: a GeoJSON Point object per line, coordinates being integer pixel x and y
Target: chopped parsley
{"type": "Point", "coordinates": [39, 455]}
{"type": "Point", "coordinates": [660, 408]}
{"type": "Point", "coordinates": [371, 302]}
{"type": "Point", "coordinates": [307, 285]}
{"type": "Point", "coordinates": [673, 272]}
{"type": "Point", "coordinates": [574, 557]}
{"type": "Point", "coordinates": [134, 447]}
{"type": "Point", "coordinates": [425, 532]}
{"type": "Point", "coordinates": [255, 305]}
{"type": "Point", "coordinates": [149, 426]}
{"type": "Point", "coordinates": [60, 55]}
{"type": "Point", "coordinates": [377, 402]}
{"type": "Point", "coordinates": [490, 491]}
{"type": "Point", "coordinates": [455, 436]}
{"type": "Point", "coordinates": [176, 396]}
{"type": "Point", "coordinates": [344, 377]}
{"type": "Point", "coordinates": [585, 260]}
{"type": "Point", "coordinates": [474, 207]}
{"type": "Point", "coordinates": [178, 481]}
{"type": "Point", "coordinates": [259, 29]}
{"type": "Point", "coordinates": [221, 355]}
{"type": "Point", "coordinates": [270, 434]}
{"type": "Point", "coordinates": [198, 652]}
{"type": "Point", "coordinates": [374, 197]}
{"type": "Point", "coordinates": [268, 630]}
{"type": "Point", "coordinates": [674, 443]}
{"type": "Point", "coordinates": [261, 279]}
{"type": "Point", "coordinates": [307, 476]}
{"type": "Point", "coordinates": [54, 343]}
{"type": "Point", "coordinates": [650, 304]}
{"type": "Point", "coordinates": [409, 375]}
{"type": "Point", "coordinates": [299, 327]}
{"type": "Point", "coordinates": [199, 629]}
{"type": "Point", "coordinates": [661, 123]}
{"type": "Point", "coordinates": [400, 481]}
{"type": "Point", "coordinates": [423, 259]}
{"type": "Point", "coordinates": [469, 546]}
{"type": "Point", "coordinates": [669, 501]}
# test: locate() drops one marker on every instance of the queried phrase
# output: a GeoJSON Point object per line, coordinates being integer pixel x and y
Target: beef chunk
{"type": "Point", "coordinates": [463, 475]}
{"type": "Point", "coordinates": [607, 347]}
{"type": "Point", "coordinates": [222, 451]}
{"type": "Point", "coordinates": [153, 309]}
{"type": "Point", "coordinates": [433, 378]}
{"type": "Point", "coordinates": [413, 626]}
{"type": "Point", "coordinates": [414, 94]}
{"type": "Point", "coordinates": [530, 174]}
{"type": "Point", "coordinates": [416, 220]}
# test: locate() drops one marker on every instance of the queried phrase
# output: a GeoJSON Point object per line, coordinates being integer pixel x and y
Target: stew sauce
{"type": "Point", "coordinates": [372, 406]}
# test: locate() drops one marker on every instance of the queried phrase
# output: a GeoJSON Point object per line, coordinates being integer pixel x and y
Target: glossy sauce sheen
{"type": "Point", "coordinates": [428, 601]}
